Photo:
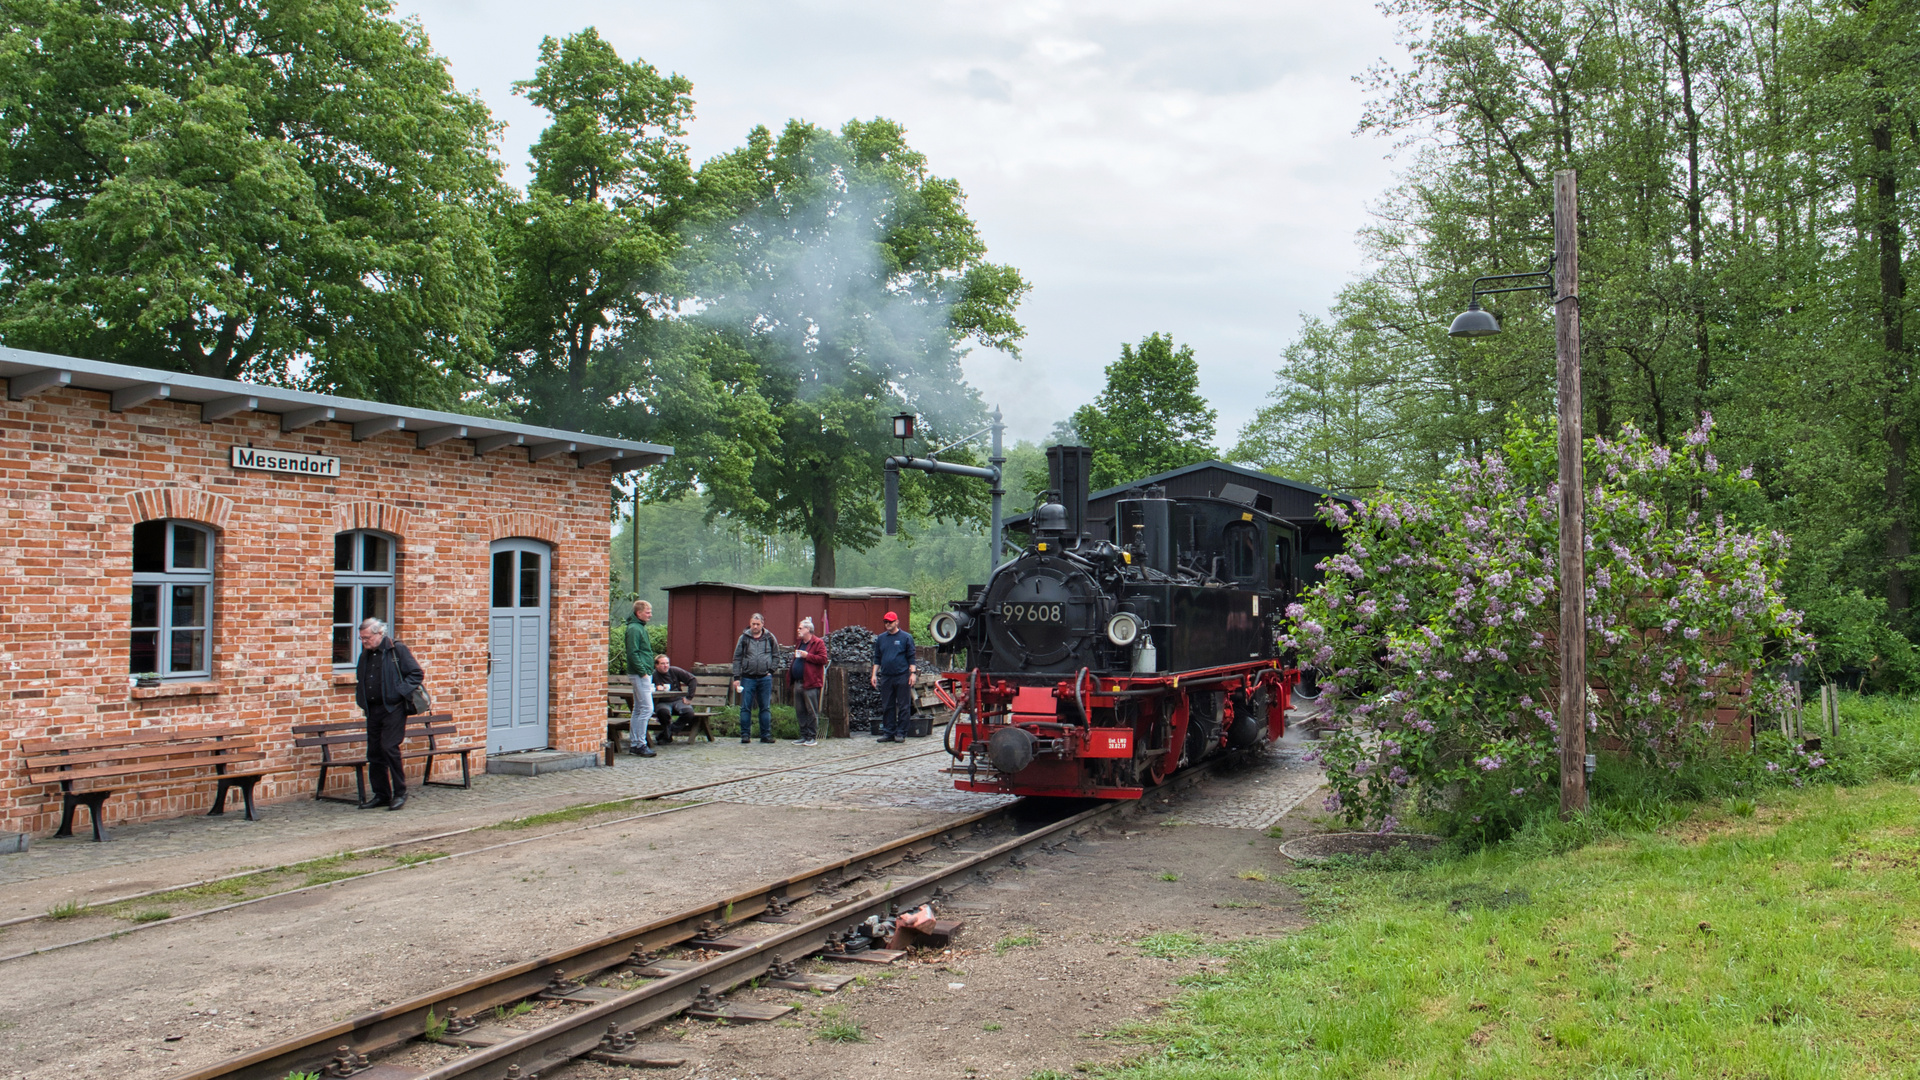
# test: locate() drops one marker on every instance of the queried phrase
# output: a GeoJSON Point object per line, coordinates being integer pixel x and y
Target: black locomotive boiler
{"type": "Point", "coordinates": [1096, 665]}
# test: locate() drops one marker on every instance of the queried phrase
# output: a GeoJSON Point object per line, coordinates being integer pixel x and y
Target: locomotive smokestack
{"type": "Point", "coordinates": [1068, 469]}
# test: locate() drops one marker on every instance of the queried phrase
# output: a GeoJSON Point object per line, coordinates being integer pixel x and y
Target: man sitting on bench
{"type": "Point", "coordinates": [668, 677]}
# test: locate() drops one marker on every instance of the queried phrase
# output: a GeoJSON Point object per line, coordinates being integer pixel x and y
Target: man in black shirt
{"type": "Point", "coordinates": [668, 677]}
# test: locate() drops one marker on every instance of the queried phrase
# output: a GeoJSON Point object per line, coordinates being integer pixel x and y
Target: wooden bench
{"type": "Point", "coordinates": [620, 712]}
{"type": "Point", "coordinates": [230, 751]}
{"type": "Point", "coordinates": [343, 745]}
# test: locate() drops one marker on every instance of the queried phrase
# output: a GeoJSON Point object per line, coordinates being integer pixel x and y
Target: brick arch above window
{"type": "Point", "coordinates": [523, 523]}
{"type": "Point", "coordinates": [378, 516]}
{"type": "Point", "coordinates": [183, 503]}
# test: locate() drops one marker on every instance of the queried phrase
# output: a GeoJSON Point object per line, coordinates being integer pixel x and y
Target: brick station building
{"type": "Point", "coordinates": [228, 537]}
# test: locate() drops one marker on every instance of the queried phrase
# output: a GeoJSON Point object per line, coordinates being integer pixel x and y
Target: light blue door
{"type": "Point", "coordinates": [517, 646]}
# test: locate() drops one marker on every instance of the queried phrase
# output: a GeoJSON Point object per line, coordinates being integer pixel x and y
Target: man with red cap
{"type": "Point", "coordinates": [893, 671]}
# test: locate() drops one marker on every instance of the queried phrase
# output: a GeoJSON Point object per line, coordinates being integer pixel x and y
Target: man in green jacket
{"type": "Point", "coordinates": [640, 670]}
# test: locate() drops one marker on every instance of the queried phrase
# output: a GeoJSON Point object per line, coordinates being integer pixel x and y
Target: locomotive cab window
{"type": "Point", "coordinates": [1243, 552]}
{"type": "Point", "coordinates": [1283, 562]}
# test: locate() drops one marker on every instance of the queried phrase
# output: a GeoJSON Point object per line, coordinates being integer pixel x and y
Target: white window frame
{"type": "Point", "coordinates": [164, 581]}
{"type": "Point", "coordinates": [358, 580]}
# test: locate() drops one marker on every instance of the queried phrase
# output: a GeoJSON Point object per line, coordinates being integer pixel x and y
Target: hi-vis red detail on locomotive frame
{"type": "Point", "coordinates": [1156, 742]}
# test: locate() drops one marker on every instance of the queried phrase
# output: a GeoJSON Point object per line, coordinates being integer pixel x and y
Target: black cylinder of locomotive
{"type": "Point", "coordinates": [1146, 525]}
{"type": "Point", "coordinates": [1069, 470]}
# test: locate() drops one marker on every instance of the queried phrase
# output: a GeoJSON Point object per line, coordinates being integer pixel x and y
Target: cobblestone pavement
{"type": "Point", "coordinates": [1258, 797]}
{"type": "Point", "coordinates": [843, 774]}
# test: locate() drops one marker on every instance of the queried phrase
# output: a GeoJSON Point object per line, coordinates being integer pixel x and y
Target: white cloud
{"type": "Point", "coordinates": [1148, 165]}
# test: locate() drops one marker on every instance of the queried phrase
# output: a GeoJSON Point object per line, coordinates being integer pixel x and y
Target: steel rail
{"type": "Point", "coordinates": [397, 1023]}
{"type": "Point", "coordinates": [584, 1031]}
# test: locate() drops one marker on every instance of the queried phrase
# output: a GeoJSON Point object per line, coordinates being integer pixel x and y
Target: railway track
{"type": "Point", "coordinates": [759, 933]}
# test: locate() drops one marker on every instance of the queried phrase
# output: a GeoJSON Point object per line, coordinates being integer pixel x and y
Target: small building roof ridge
{"type": "Point", "coordinates": [98, 375]}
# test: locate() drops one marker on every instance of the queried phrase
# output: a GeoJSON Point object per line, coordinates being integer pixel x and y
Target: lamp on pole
{"type": "Point", "coordinates": [1563, 272]}
{"type": "Point", "coordinates": [993, 474]}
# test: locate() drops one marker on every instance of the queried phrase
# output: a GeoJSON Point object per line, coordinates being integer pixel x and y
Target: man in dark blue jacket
{"type": "Point", "coordinates": [893, 672]}
{"type": "Point", "coordinates": [384, 681]}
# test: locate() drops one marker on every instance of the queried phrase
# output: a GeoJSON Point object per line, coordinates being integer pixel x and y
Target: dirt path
{"type": "Point", "coordinates": [1049, 973]}
{"type": "Point", "coordinates": [156, 1002]}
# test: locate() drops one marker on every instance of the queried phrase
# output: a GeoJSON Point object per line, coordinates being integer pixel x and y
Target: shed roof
{"type": "Point", "coordinates": [29, 373]}
{"type": "Point", "coordinates": [1294, 499]}
{"type": "Point", "coordinates": [834, 594]}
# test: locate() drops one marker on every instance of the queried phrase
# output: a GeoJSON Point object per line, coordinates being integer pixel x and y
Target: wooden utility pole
{"type": "Point", "coordinates": [1573, 522]}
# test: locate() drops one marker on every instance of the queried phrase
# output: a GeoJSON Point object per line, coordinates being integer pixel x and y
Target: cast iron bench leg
{"type": "Point", "coordinates": [94, 801]}
{"type": "Point", "coordinates": [228, 783]}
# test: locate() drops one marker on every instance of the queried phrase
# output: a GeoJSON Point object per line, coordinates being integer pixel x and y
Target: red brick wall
{"type": "Point", "coordinates": [75, 477]}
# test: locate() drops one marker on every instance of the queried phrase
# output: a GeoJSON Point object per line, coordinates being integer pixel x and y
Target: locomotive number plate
{"type": "Point", "coordinates": [1033, 613]}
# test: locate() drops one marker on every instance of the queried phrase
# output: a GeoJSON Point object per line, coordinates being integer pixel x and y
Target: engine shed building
{"type": "Point", "coordinates": [226, 538]}
{"type": "Point", "coordinates": [706, 618]}
{"type": "Point", "coordinates": [1291, 500]}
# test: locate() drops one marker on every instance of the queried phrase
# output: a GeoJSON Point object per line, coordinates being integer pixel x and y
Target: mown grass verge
{"type": "Point", "coordinates": [1773, 934]}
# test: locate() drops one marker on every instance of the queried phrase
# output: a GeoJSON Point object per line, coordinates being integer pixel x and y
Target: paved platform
{"type": "Point", "coordinates": [855, 774]}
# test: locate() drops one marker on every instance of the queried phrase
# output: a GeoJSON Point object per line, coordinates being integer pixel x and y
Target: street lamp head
{"type": "Point", "coordinates": [903, 426]}
{"type": "Point", "coordinates": [1474, 322]}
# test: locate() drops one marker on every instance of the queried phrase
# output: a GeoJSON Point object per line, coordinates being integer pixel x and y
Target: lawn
{"type": "Point", "coordinates": [1775, 936]}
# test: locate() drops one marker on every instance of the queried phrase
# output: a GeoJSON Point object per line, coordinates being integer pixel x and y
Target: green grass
{"type": "Point", "coordinates": [67, 909]}
{"type": "Point", "coordinates": [1168, 875]}
{"type": "Point", "coordinates": [565, 814]}
{"type": "Point", "coordinates": [519, 1008]}
{"type": "Point", "coordinates": [418, 857]}
{"type": "Point", "coordinates": [1172, 945]}
{"type": "Point", "coordinates": [148, 915]}
{"type": "Point", "coordinates": [1015, 941]}
{"type": "Point", "coordinates": [845, 1031]}
{"type": "Point", "coordinates": [989, 1026]}
{"type": "Point", "coordinates": [1781, 944]}
{"type": "Point", "coordinates": [329, 868]}
{"type": "Point", "coordinates": [785, 726]}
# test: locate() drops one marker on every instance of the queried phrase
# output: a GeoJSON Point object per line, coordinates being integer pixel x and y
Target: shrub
{"type": "Point", "coordinates": [1438, 625]}
{"type": "Point", "coordinates": [617, 645]}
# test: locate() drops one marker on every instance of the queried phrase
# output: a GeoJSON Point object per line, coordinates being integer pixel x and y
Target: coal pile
{"type": "Point", "coordinates": [853, 646]}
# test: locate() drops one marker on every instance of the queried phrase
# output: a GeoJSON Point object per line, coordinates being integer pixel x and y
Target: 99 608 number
{"type": "Point", "coordinates": [1033, 613]}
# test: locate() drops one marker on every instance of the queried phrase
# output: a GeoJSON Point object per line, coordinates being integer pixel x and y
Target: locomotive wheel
{"type": "Point", "coordinates": [1157, 768]}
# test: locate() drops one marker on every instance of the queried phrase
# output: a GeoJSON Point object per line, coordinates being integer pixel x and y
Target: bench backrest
{"type": "Point", "coordinates": [338, 732]}
{"type": "Point", "coordinates": [48, 760]}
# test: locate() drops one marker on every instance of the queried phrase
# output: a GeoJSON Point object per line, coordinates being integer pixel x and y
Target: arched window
{"type": "Point", "coordinates": [362, 588]}
{"type": "Point", "coordinates": [172, 600]}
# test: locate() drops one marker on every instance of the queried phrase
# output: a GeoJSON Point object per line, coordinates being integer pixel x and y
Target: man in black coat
{"type": "Point", "coordinates": [385, 679]}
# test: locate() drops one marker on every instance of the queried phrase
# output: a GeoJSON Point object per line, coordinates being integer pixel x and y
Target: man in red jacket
{"type": "Point", "coordinates": [810, 673]}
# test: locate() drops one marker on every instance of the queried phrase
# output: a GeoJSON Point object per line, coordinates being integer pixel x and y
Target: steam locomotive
{"type": "Point", "coordinates": [1097, 665]}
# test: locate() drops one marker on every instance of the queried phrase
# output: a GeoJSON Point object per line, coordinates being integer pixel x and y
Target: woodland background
{"type": "Point", "coordinates": [300, 195]}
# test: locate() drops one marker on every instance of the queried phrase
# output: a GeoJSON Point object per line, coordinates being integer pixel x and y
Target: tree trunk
{"type": "Point", "coordinates": [826, 523]}
{"type": "Point", "coordinates": [1696, 239]}
{"type": "Point", "coordinates": [1893, 294]}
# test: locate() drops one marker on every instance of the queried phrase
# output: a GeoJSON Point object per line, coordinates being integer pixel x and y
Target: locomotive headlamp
{"type": "Point", "coordinates": [945, 627]}
{"type": "Point", "coordinates": [1123, 628]}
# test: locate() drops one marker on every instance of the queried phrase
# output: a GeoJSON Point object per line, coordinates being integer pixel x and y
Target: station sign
{"type": "Point", "coordinates": [284, 461]}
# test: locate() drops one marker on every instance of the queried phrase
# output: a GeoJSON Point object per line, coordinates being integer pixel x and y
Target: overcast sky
{"type": "Point", "coordinates": [1182, 167]}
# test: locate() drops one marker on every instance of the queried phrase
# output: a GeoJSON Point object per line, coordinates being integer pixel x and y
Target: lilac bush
{"type": "Point", "coordinates": [1436, 630]}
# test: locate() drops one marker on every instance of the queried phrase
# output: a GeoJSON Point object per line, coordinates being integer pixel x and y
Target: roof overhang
{"type": "Point", "coordinates": [29, 373]}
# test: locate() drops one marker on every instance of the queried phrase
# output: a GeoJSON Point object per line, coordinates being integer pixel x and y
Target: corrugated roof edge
{"type": "Point", "coordinates": [838, 594]}
{"type": "Point", "coordinates": [29, 373]}
{"type": "Point", "coordinates": [1253, 474]}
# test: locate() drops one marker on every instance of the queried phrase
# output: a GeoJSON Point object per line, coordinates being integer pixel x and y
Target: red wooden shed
{"type": "Point", "coordinates": [705, 618]}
